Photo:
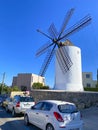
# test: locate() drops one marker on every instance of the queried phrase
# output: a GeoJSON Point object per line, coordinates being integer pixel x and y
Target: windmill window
{"type": "Point", "coordinates": [88, 85]}
{"type": "Point", "coordinates": [87, 75]}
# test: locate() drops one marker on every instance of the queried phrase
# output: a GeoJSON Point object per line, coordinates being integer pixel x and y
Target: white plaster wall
{"type": "Point", "coordinates": [88, 80]}
{"type": "Point", "coordinates": [72, 79]}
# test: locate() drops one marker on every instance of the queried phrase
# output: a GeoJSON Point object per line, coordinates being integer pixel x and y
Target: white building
{"type": "Point", "coordinates": [26, 80]}
{"type": "Point", "coordinates": [88, 81]}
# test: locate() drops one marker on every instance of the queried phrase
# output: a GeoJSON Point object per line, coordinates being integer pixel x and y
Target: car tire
{"type": "Point", "coordinates": [26, 120]}
{"type": "Point", "coordinates": [50, 127]}
{"type": "Point", "coordinates": [13, 113]}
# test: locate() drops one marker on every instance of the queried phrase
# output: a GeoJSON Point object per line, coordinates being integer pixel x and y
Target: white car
{"type": "Point", "coordinates": [54, 115]}
{"type": "Point", "coordinates": [19, 104]}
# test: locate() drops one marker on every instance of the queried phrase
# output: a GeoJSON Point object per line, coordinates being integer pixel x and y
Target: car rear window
{"type": "Point", "coordinates": [67, 108]}
{"type": "Point", "coordinates": [26, 99]}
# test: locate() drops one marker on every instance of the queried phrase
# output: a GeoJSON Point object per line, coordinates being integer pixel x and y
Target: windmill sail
{"type": "Point", "coordinates": [79, 25]}
{"type": "Point", "coordinates": [65, 22]}
{"type": "Point", "coordinates": [63, 59]}
{"type": "Point", "coordinates": [56, 39]}
{"type": "Point", "coordinates": [52, 31]}
{"type": "Point", "coordinates": [47, 61]}
{"type": "Point", "coordinates": [43, 49]}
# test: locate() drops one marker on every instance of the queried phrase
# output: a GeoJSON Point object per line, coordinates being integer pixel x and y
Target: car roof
{"type": "Point", "coordinates": [57, 102]}
{"type": "Point", "coordinates": [22, 96]}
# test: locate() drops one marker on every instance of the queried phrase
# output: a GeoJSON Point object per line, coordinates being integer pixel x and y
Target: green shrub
{"type": "Point", "coordinates": [91, 89]}
{"type": "Point", "coordinates": [39, 86]}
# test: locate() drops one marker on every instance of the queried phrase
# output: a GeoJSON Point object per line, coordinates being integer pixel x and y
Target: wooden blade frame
{"type": "Point", "coordinates": [66, 20]}
{"type": "Point", "coordinates": [52, 31]}
{"type": "Point", "coordinates": [81, 24]}
{"type": "Point", "coordinates": [47, 61]}
{"type": "Point", "coordinates": [63, 58]}
{"type": "Point", "coordinates": [44, 48]}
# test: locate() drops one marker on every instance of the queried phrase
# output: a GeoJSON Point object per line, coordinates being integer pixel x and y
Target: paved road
{"type": "Point", "coordinates": [90, 118]}
{"type": "Point", "coordinates": [7, 122]}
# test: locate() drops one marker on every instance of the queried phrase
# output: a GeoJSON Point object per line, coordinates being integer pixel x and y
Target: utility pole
{"type": "Point", "coordinates": [97, 77]}
{"type": "Point", "coordinates": [2, 82]}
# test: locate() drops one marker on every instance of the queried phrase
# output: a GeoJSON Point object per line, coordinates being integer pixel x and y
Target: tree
{"type": "Point", "coordinates": [0, 88]}
{"type": "Point", "coordinates": [15, 88]}
{"type": "Point", "coordinates": [4, 89]}
{"type": "Point", "coordinates": [39, 86]}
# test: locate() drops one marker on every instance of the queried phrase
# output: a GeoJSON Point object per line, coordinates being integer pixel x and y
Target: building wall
{"type": "Point", "coordinates": [70, 80]}
{"type": "Point", "coordinates": [14, 83]}
{"type": "Point", "coordinates": [37, 78]}
{"type": "Point", "coordinates": [81, 99]}
{"type": "Point", "coordinates": [26, 80]}
{"type": "Point", "coordinates": [88, 81]}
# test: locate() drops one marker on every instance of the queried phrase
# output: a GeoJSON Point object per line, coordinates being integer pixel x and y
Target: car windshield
{"type": "Point", "coordinates": [67, 108]}
{"type": "Point", "coordinates": [26, 99]}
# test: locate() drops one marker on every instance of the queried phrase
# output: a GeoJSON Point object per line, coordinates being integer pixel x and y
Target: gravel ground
{"type": "Point", "coordinates": [90, 118]}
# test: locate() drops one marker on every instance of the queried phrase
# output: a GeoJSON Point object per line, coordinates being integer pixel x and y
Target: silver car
{"type": "Point", "coordinates": [20, 104]}
{"type": "Point", "coordinates": [54, 115]}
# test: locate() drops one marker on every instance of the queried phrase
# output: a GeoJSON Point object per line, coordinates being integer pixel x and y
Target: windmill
{"type": "Point", "coordinates": [63, 48]}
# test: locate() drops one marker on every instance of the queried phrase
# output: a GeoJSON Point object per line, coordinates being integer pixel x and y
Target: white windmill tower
{"type": "Point", "coordinates": [68, 72]}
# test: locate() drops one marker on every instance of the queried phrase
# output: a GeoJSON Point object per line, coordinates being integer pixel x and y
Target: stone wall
{"type": "Point", "coordinates": [81, 99]}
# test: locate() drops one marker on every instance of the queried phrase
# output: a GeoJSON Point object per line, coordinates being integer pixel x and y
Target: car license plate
{"type": "Point", "coordinates": [27, 104]}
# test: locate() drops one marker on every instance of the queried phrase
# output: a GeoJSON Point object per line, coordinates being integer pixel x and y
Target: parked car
{"type": "Point", "coordinates": [19, 104]}
{"type": "Point", "coordinates": [6, 102]}
{"type": "Point", "coordinates": [54, 115]}
{"type": "Point", "coordinates": [1, 100]}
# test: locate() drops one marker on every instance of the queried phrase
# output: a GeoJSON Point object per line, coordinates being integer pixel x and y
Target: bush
{"type": "Point", "coordinates": [91, 89]}
{"type": "Point", "coordinates": [97, 85]}
{"type": "Point", "coordinates": [39, 86]}
{"type": "Point", "coordinates": [15, 88]}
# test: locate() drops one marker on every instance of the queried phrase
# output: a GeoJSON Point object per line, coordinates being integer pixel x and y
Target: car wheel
{"type": "Point", "coordinates": [50, 127]}
{"type": "Point", "coordinates": [13, 113]}
{"type": "Point", "coordinates": [26, 120]}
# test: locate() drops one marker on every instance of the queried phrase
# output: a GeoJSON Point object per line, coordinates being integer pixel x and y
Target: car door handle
{"type": "Point", "coordinates": [47, 116]}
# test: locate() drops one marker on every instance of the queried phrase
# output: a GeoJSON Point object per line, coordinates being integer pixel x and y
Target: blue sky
{"type": "Point", "coordinates": [19, 39]}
